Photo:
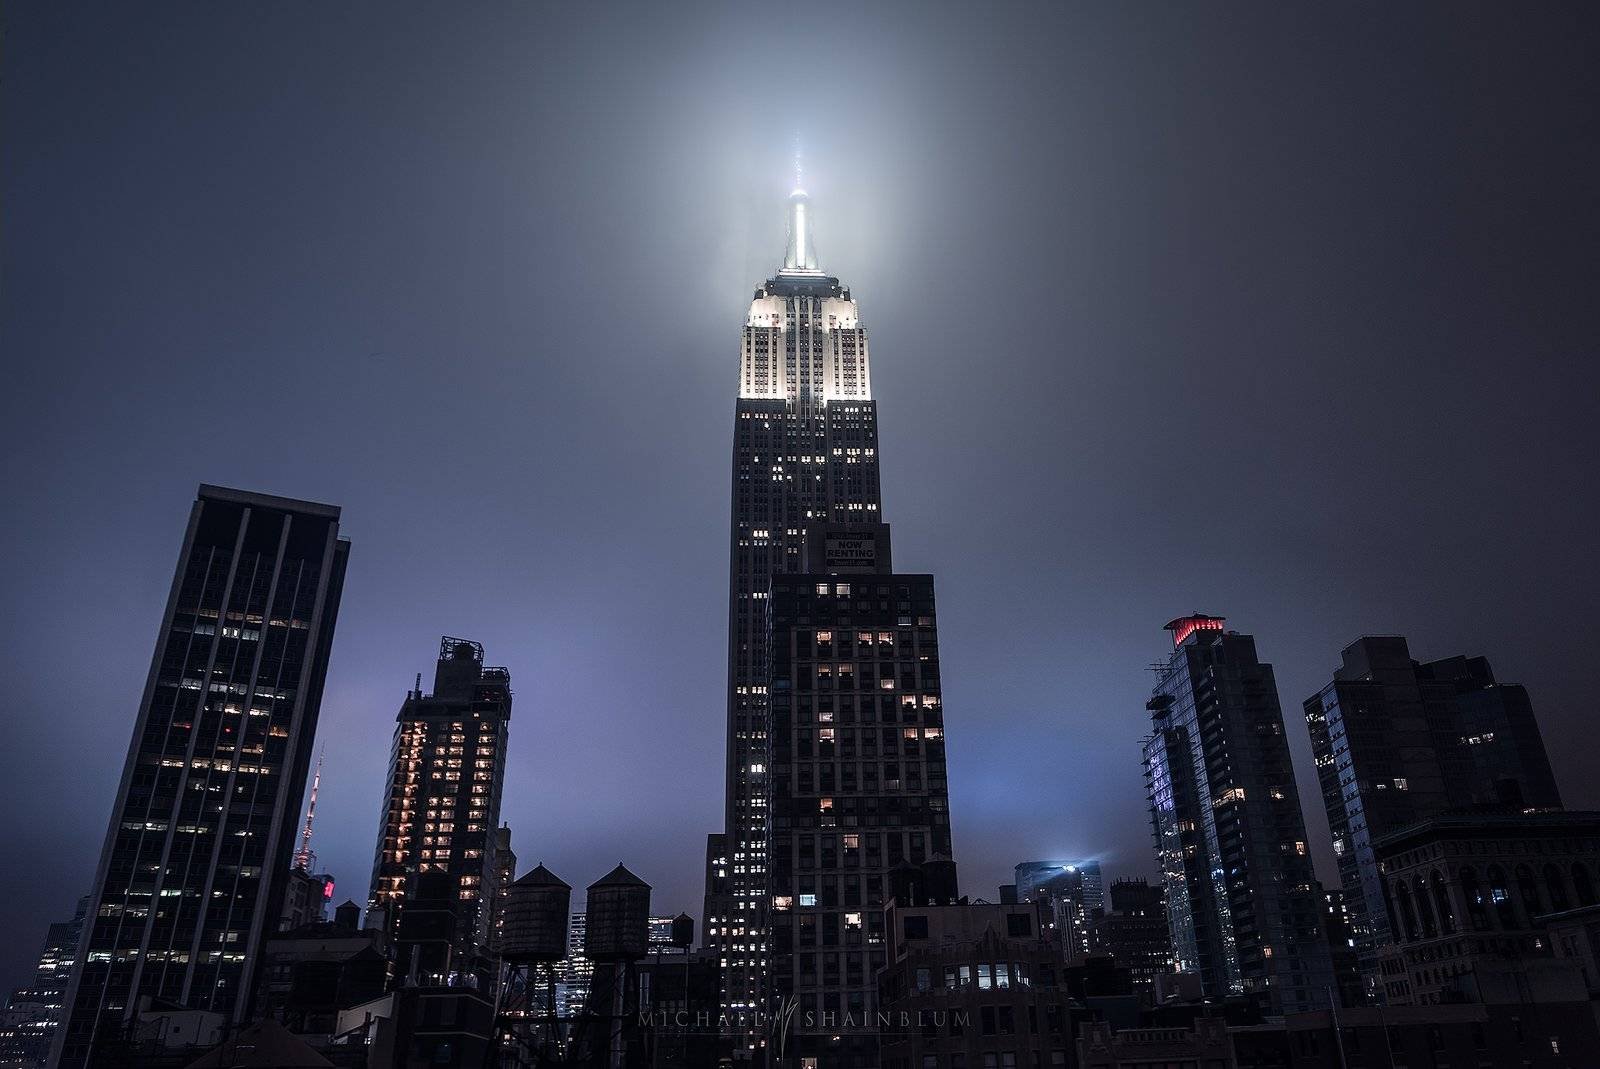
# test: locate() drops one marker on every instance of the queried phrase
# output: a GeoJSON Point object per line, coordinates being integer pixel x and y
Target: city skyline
{"type": "Point", "coordinates": [513, 518]}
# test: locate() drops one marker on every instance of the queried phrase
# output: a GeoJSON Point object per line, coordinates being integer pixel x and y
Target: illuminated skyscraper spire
{"type": "Point", "coordinates": [800, 256]}
{"type": "Point", "coordinates": [805, 453]}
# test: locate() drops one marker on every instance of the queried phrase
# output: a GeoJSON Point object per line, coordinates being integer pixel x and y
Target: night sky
{"type": "Point", "coordinates": [1283, 314]}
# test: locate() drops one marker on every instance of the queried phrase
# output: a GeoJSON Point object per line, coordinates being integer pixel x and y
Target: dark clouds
{"type": "Point", "coordinates": [1284, 314]}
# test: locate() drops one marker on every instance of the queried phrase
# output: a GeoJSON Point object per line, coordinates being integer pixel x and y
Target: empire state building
{"type": "Point", "coordinates": [809, 842]}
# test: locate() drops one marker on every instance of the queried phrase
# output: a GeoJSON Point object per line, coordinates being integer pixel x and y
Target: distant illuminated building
{"type": "Point", "coordinates": [1030, 874]}
{"type": "Point", "coordinates": [1074, 891]}
{"type": "Point", "coordinates": [661, 936]}
{"type": "Point", "coordinates": [442, 813]}
{"type": "Point", "coordinates": [28, 1023]}
{"type": "Point", "coordinates": [575, 972]}
{"type": "Point", "coordinates": [1243, 905]}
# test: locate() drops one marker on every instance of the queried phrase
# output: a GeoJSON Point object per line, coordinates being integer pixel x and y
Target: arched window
{"type": "Point", "coordinates": [1408, 912]}
{"type": "Point", "coordinates": [1583, 885]}
{"type": "Point", "coordinates": [1528, 891]}
{"type": "Point", "coordinates": [1505, 914]}
{"type": "Point", "coordinates": [1555, 886]}
{"type": "Point", "coordinates": [1477, 903]}
{"type": "Point", "coordinates": [1441, 903]}
{"type": "Point", "coordinates": [1430, 927]}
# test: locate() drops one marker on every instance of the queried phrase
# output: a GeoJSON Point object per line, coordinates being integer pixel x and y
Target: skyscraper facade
{"type": "Point", "coordinates": [1072, 892]}
{"type": "Point", "coordinates": [1243, 905]}
{"type": "Point", "coordinates": [505, 874]}
{"type": "Point", "coordinates": [33, 1014]}
{"type": "Point", "coordinates": [805, 451]}
{"type": "Point", "coordinates": [192, 875]}
{"type": "Point", "coordinates": [1397, 742]}
{"type": "Point", "coordinates": [442, 810]}
{"type": "Point", "coordinates": [858, 790]}
{"type": "Point", "coordinates": [1085, 875]}
{"type": "Point", "coordinates": [1133, 930]}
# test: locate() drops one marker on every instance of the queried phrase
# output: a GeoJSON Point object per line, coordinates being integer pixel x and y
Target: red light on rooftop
{"type": "Point", "coordinates": [1184, 626]}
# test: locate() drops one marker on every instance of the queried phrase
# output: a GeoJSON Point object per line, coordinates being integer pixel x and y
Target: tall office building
{"type": "Point", "coordinates": [1397, 742]}
{"type": "Point", "coordinates": [1133, 930]}
{"type": "Point", "coordinates": [575, 972]}
{"type": "Point", "coordinates": [805, 451]}
{"type": "Point", "coordinates": [442, 810]}
{"type": "Point", "coordinates": [1243, 905]}
{"type": "Point", "coordinates": [857, 784]}
{"type": "Point", "coordinates": [1072, 892]}
{"type": "Point", "coordinates": [202, 831]}
{"type": "Point", "coordinates": [33, 1014]}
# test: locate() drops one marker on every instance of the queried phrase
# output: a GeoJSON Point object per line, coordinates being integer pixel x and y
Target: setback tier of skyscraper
{"type": "Point", "coordinates": [191, 878]}
{"type": "Point", "coordinates": [1242, 902]}
{"type": "Point", "coordinates": [858, 790]}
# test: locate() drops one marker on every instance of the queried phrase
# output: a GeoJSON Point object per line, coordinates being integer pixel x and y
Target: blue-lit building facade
{"type": "Point", "coordinates": [1243, 904]}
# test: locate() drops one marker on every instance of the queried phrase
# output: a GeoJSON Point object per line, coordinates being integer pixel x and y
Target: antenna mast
{"type": "Point", "coordinates": [304, 859]}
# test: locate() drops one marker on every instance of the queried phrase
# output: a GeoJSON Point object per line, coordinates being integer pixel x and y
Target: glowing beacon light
{"type": "Point", "coordinates": [1184, 626]}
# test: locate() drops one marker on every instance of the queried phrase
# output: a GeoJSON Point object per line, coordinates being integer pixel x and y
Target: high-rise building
{"type": "Point", "coordinates": [202, 830]}
{"type": "Point", "coordinates": [572, 974]}
{"type": "Point", "coordinates": [1243, 905]}
{"type": "Point", "coordinates": [442, 810]}
{"type": "Point", "coordinates": [33, 1013]}
{"type": "Point", "coordinates": [505, 874]}
{"type": "Point", "coordinates": [1133, 930]}
{"type": "Point", "coordinates": [1397, 742]}
{"type": "Point", "coordinates": [1084, 874]}
{"type": "Point", "coordinates": [1342, 949]}
{"type": "Point", "coordinates": [857, 786]}
{"type": "Point", "coordinates": [1071, 892]}
{"type": "Point", "coordinates": [575, 972]}
{"type": "Point", "coordinates": [805, 451]}
{"type": "Point", "coordinates": [1492, 751]}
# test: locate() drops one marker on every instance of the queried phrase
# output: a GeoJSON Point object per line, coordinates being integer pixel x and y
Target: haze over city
{"type": "Point", "coordinates": [1286, 318]}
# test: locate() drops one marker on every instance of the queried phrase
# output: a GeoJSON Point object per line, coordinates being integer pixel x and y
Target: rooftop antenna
{"type": "Point", "coordinates": [304, 859]}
